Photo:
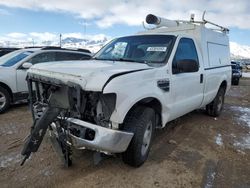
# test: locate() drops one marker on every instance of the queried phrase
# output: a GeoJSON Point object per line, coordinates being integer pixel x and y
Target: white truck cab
{"type": "Point", "coordinates": [134, 84]}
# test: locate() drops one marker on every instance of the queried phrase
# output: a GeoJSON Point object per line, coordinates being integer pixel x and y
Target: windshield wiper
{"type": "Point", "coordinates": [121, 59]}
{"type": "Point", "coordinates": [130, 60]}
{"type": "Point", "coordinates": [103, 59]}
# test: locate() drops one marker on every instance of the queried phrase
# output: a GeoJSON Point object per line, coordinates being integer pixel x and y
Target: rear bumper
{"type": "Point", "coordinates": [106, 140]}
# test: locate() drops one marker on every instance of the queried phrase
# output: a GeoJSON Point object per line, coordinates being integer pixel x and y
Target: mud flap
{"type": "Point", "coordinates": [38, 131]}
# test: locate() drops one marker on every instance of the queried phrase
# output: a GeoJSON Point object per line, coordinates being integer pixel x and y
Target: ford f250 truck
{"type": "Point", "coordinates": [114, 102]}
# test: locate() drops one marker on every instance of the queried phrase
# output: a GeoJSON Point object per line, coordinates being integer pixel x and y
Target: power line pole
{"type": "Point", "coordinates": [85, 28]}
{"type": "Point", "coordinates": [60, 40]}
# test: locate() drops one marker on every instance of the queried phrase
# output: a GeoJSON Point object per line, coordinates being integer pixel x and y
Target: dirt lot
{"type": "Point", "coordinates": [194, 151]}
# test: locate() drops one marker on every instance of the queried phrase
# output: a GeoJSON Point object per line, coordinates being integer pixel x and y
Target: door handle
{"type": "Point", "coordinates": [201, 78]}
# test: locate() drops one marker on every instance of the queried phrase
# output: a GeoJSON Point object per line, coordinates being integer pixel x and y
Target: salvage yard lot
{"type": "Point", "coordinates": [194, 151]}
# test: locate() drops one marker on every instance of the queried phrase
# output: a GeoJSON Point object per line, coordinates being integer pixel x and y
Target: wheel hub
{"type": "Point", "coordinates": [2, 100]}
{"type": "Point", "coordinates": [220, 103]}
{"type": "Point", "coordinates": [146, 138]}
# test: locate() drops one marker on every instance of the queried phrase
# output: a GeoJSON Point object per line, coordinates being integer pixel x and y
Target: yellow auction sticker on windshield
{"type": "Point", "coordinates": [157, 49]}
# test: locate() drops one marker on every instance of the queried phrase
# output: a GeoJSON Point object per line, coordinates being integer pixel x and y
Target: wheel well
{"type": "Point", "coordinates": [152, 103]}
{"type": "Point", "coordinates": [7, 88]}
{"type": "Point", "coordinates": [224, 85]}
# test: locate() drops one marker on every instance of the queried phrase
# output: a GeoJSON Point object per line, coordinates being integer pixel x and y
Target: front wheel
{"type": "Point", "coordinates": [140, 121]}
{"type": "Point", "coordinates": [215, 107]}
{"type": "Point", "coordinates": [4, 100]}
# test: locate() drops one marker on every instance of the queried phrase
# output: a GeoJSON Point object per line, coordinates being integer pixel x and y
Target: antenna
{"type": "Point", "coordinates": [85, 29]}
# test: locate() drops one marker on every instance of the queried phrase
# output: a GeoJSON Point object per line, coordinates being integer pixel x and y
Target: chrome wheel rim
{"type": "Point", "coordinates": [146, 138]}
{"type": "Point", "coordinates": [2, 100]}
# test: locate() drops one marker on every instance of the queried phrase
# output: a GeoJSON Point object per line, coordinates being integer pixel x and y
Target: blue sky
{"type": "Point", "coordinates": [26, 21]}
{"type": "Point", "coordinates": [19, 18]}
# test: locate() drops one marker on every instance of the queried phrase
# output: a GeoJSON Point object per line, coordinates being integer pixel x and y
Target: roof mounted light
{"type": "Point", "coordinates": [160, 22]}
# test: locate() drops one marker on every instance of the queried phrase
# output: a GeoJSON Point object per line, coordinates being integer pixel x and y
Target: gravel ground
{"type": "Point", "coordinates": [193, 151]}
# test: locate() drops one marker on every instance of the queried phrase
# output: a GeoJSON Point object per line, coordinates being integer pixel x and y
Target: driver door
{"type": "Point", "coordinates": [187, 87]}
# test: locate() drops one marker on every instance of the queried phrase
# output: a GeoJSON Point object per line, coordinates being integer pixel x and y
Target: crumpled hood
{"type": "Point", "coordinates": [90, 75]}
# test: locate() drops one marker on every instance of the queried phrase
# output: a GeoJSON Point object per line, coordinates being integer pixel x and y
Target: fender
{"type": "Point", "coordinates": [8, 78]}
{"type": "Point", "coordinates": [126, 89]}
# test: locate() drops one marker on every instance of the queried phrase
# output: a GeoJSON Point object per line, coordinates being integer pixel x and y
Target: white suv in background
{"type": "Point", "coordinates": [13, 68]}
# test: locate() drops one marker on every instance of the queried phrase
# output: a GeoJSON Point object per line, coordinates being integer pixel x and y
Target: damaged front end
{"type": "Point", "coordinates": [75, 118]}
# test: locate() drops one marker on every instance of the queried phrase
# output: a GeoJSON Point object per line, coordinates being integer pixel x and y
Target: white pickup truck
{"type": "Point", "coordinates": [134, 84]}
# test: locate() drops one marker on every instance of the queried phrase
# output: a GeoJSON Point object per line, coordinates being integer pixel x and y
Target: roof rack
{"type": "Point", "coordinates": [9, 48]}
{"type": "Point", "coordinates": [70, 49]}
{"type": "Point", "coordinates": [162, 22]}
{"type": "Point", "coordinates": [204, 22]}
{"type": "Point", "coordinates": [59, 48]}
{"type": "Point", "coordinates": [27, 47]}
{"type": "Point", "coordinates": [52, 48]}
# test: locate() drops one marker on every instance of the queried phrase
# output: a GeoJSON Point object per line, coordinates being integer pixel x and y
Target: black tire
{"type": "Point", "coordinates": [236, 82]}
{"type": "Point", "coordinates": [4, 100]}
{"type": "Point", "coordinates": [140, 121]}
{"type": "Point", "coordinates": [215, 107]}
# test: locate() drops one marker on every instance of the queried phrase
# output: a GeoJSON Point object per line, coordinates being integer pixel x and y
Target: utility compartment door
{"type": "Point", "coordinates": [186, 87]}
{"type": "Point", "coordinates": [218, 54]}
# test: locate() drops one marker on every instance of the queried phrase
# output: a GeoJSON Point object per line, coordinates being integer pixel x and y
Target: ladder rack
{"type": "Point", "coordinates": [158, 20]}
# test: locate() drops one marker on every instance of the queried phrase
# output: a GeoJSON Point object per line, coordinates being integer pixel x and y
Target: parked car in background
{"type": "Point", "coordinates": [4, 51]}
{"type": "Point", "coordinates": [13, 68]}
{"type": "Point", "coordinates": [236, 72]}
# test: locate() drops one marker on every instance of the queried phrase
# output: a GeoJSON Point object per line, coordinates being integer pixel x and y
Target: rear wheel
{"type": "Point", "coordinates": [141, 121]}
{"type": "Point", "coordinates": [215, 107]}
{"type": "Point", "coordinates": [236, 81]}
{"type": "Point", "coordinates": [4, 99]}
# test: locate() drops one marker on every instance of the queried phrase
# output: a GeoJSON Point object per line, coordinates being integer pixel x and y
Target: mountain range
{"type": "Point", "coordinates": [238, 52]}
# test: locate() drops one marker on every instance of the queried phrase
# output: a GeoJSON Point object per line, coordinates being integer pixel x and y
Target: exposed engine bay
{"type": "Point", "coordinates": [55, 106]}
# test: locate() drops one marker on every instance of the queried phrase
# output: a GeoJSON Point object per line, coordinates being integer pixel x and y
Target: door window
{"type": "Point", "coordinates": [185, 51]}
{"type": "Point", "coordinates": [64, 56]}
{"type": "Point", "coordinates": [43, 57]}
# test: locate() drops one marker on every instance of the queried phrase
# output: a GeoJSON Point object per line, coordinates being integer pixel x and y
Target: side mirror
{"type": "Point", "coordinates": [186, 65]}
{"type": "Point", "coordinates": [26, 65]}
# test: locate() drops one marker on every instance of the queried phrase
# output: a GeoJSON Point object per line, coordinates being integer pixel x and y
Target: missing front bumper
{"type": "Point", "coordinates": [105, 140]}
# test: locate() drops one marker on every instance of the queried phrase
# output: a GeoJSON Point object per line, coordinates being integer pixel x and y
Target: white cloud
{"type": "Point", "coordinates": [46, 36]}
{"type": "Point", "coordinates": [109, 12]}
{"type": "Point", "coordinates": [16, 35]}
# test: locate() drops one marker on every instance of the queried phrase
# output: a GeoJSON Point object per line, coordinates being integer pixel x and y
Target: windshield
{"type": "Point", "coordinates": [141, 48]}
{"type": "Point", "coordinates": [12, 58]}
